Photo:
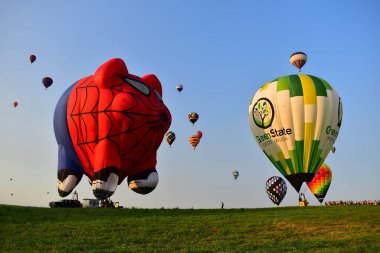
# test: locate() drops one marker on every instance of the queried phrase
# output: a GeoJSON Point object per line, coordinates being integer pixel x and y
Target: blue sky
{"type": "Point", "coordinates": [222, 52]}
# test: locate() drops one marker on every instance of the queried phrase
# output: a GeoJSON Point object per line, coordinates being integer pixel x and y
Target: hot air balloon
{"type": "Point", "coordinates": [298, 59]}
{"type": "Point", "coordinates": [199, 134]}
{"type": "Point", "coordinates": [235, 174]}
{"type": "Point", "coordinates": [193, 117]}
{"type": "Point", "coordinates": [194, 141]}
{"type": "Point", "coordinates": [170, 137]}
{"type": "Point", "coordinates": [15, 104]}
{"type": "Point", "coordinates": [321, 182]}
{"type": "Point", "coordinates": [109, 127]}
{"type": "Point", "coordinates": [276, 189]}
{"type": "Point", "coordinates": [32, 58]}
{"type": "Point", "coordinates": [179, 87]}
{"type": "Point", "coordinates": [47, 82]}
{"type": "Point", "coordinates": [295, 120]}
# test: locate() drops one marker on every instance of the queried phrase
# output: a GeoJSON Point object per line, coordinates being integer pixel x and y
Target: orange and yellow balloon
{"type": "Point", "coordinates": [321, 182]}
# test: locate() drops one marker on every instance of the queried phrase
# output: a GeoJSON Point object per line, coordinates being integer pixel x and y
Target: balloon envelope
{"type": "Point", "coordinates": [193, 117]}
{"type": "Point", "coordinates": [170, 137]}
{"type": "Point", "coordinates": [199, 134]}
{"type": "Point", "coordinates": [295, 120]}
{"type": "Point", "coordinates": [47, 82]}
{"type": "Point", "coordinates": [15, 104]}
{"type": "Point", "coordinates": [321, 182]}
{"type": "Point", "coordinates": [32, 58]}
{"type": "Point", "coordinates": [235, 174]}
{"type": "Point", "coordinates": [194, 141]}
{"type": "Point", "coordinates": [298, 60]}
{"type": "Point", "coordinates": [179, 87]}
{"type": "Point", "coordinates": [276, 189]}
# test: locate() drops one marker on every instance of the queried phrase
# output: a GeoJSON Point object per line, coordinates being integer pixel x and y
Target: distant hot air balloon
{"type": "Point", "coordinates": [321, 182]}
{"type": "Point", "coordinates": [47, 82]}
{"type": "Point", "coordinates": [15, 104]}
{"type": "Point", "coordinates": [298, 59]}
{"type": "Point", "coordinates": [179, 87]}
{"type": "Point", "coordinates": [32, 58]}
{"type": "Point", "coordinates": [199, 134]}
{"type": "Point", "coordinates": [194, 141]}
{"type": "Point", "coordinates": [235, 174]}
{"type": "Point", "coordinates": [276, 189]}
{"type": "Point", "coordinates": [295, 120]}
{"type": "Point", "coordinates": [170, 137]}
{"type": "Point", "coordinates": [193, 117]}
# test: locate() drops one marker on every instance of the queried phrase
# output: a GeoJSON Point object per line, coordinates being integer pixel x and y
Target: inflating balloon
{"type": "Point", "coordinates": [194, 141]}
{"type": "Point", "coordinates": [179, 87]}
{"type": "Point", "coordinates": [47, 82]}
{"type": "Point", "coordinates": [276, 189]}
{"type": "Point", "coordinates": [235, 174]}
{"type": "Point", "coordinates": [32, 58]}
{"type": "Point", "coordinates": [298, 59]}
{"type": "Point", "coordinates": [321, 182]}
{"type": "Point", "coordinates": [170, 137]}
{"type": "Point", "coordinates": [295, 120]}
{"type": "Point", "coordinates": [108, 127]}
{"type": "Point", "coordinates": [193, 117]}
{"type": "Point", "coordinates": [15, 104]}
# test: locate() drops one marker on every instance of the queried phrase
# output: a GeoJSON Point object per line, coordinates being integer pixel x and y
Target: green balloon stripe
{"type": "Point", "coordinates": [327, 85]}
{"type": "Point", "coordinates": [296, 87]}
{"type": "Point", "coordinates": [320, 88]}
{"type": "Point", "coordinates": [299, 156]}
{"type": "Point", "coordinates": [277, 164]}
{"type": "Point", "coordinates": [315, 152]}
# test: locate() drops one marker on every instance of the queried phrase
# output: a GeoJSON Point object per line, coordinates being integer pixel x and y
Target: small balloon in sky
{"type": "Point", "coordinates": [179, 87]}
{"type": "Point", "coordinates": [235, 174]}
{"type": "Point", "coordinates": [170, 137]}
{"type": "Point", "coordinates": [47, 82]}
{"type": "Point", "coordinates": [15, 104]}
{"type": "Point", "coordinates": [32, 58]}
{"type": "Point", "coordinates": [193, 117]}
{"type": "Point", "coordinates": [298, 60]}
{"type": "Point", "coordinates": [194, 141]}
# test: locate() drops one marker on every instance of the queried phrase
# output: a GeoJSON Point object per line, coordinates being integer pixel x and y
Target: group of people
{"type": "Point", "coordinates": [351, 202]}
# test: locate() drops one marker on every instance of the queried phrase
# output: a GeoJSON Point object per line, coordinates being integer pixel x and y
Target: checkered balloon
{"type": "Point", "coordinates": [276, 189]}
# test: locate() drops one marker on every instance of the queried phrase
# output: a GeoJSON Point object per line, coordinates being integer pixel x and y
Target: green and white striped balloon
{"type": "Point", "coordinates": [295, 120]}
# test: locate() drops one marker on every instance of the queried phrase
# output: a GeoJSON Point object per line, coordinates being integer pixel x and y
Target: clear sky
{"type": "Point", "coordinates": [222, 52]}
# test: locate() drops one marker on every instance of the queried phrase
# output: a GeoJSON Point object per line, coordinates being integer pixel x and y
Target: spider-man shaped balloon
{"type": "Point", "coordinates": [109, 126]}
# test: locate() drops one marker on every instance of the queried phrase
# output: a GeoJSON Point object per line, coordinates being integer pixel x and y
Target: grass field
{"type": "Point", "coordinates": [284, 229]}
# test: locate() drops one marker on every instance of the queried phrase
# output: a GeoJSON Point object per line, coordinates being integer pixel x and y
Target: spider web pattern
{"type": "Point", "coordinates": [132, 122]}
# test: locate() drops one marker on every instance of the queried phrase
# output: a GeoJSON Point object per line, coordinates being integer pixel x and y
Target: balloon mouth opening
{"type": "Point", "coordinates": [296, 180]}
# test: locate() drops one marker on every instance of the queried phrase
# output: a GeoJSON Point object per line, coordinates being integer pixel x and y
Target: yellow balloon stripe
{"type": "Point", "coordinates": [308, 88]}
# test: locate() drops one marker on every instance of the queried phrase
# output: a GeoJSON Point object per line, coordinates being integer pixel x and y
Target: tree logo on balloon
{"type": "Point", "coordinates": [263, 113]}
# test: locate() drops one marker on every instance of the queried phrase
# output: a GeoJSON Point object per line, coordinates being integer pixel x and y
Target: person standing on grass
{"type": "Point", "coordinates": [222, 204]}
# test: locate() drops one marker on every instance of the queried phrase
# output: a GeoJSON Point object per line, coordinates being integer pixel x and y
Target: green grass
{"type": "Point", "coordinates": [284, 229]}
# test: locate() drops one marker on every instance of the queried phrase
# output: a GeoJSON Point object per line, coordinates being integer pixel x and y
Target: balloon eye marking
{"type": "Point", "coordinates": [138, 86]}
{"type": "Point", "coordinates": [158, 95]}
